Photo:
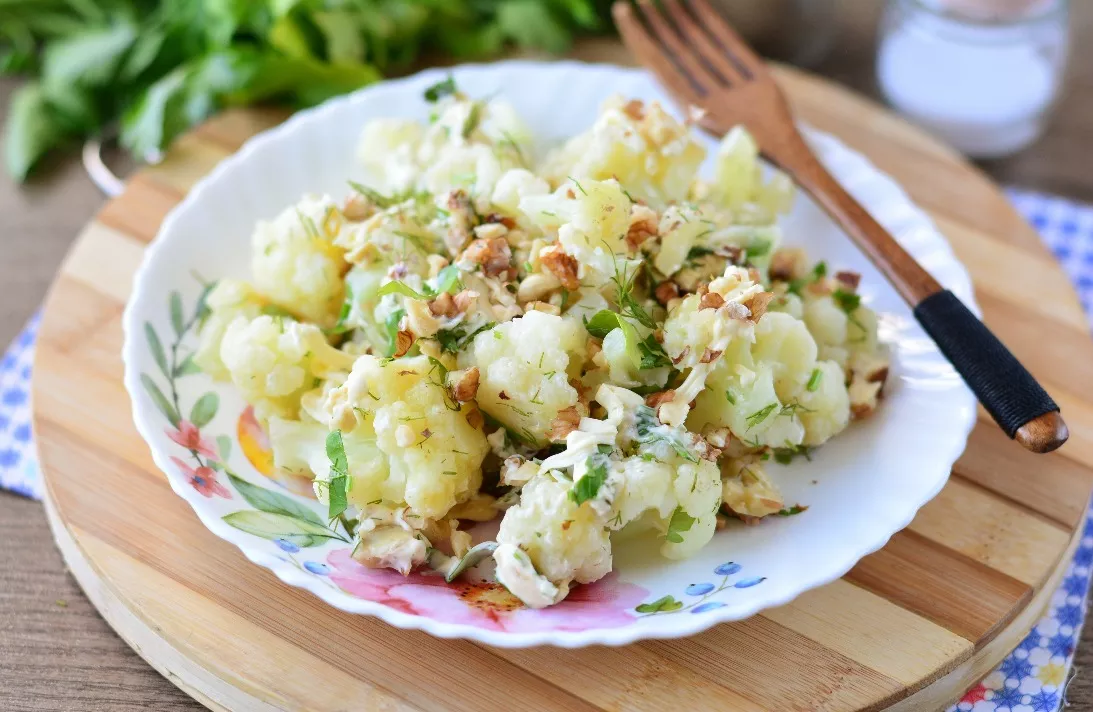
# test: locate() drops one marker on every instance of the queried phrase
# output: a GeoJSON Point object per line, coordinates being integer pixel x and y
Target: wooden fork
{"type": "Point", "coordinates": [704, 63]}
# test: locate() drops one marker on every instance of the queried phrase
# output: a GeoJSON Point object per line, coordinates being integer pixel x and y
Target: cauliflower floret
{"type": "Point", "coordinates": [680, 229]}
{"type": "Point", "coordinates": [274, 361]}
{"type": "Point", "coordinates": [745, 401]}
{"type": "Point", "coordinates": [787, 346]}
{"type": "Point", "coordinates": [738, 182]}
{"type": "Point", "coordinates": [700, 329]}
{"type": "Point", "coordinates": [525, 366]}
{"type": "Point", "coordinates": [514, 186]}
{"type": "Point", "coordinates": [296, 263]}
{"type": "Point", "coordinates": [825, 403]}
{"type": "Point", "coordinates": [566, 543]}
{"type": "Point", "coordinates": [230, 298]}
{"type": "Point", "coordinates": [638, 144]}
{"type": "Point", "coordinates": [386, 150]}
{"type": "Point", "coordinates": [433, 454]}
{"type": "Point", "coordinates": [678, 497]}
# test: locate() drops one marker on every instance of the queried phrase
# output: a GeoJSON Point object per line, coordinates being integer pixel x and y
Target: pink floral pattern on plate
{"type": "Point", "coordinates": [608, 603]}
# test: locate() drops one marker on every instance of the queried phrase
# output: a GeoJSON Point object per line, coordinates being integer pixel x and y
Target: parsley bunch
{"type": "Point", "coordinates": [154, 69]}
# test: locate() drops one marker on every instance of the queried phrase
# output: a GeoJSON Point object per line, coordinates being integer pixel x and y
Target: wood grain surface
{"type": "Point", "coordinates": [956, 589]}
{"type": "Point", "coordinates": [57, 653]}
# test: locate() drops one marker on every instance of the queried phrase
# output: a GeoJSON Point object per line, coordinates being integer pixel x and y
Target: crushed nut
{"type": "Point", "coordinates": [461, 219]}
{"type": "Point", "coordinates": [465, 300]}
{"type": "Point", "coordinates": [849, 280]}
{"type": "Point", "coordinates": [466, 388]}
{"type": "Point", "coordinates": [475, 419]}
{"type": "Point", "coordinates": [561, 265]}
{"type": "Point", "coordinates": [489, 231]}
{"type": "Point", "coordinates": [820, 287]}
{"type": "Point", "coordinates": [880, 375]}
{"type": "Point", "coordinates": [499, 218]}
{"type": "Point", "coordinates": [710, 355]}
{"type": "Point", "coordinates": [493, 254]}
{"type": "Point", "coordinates": [757, 304]}
{"type": "Point", "coordinates": [536, 286]}
{"type": "Point", "coordinates": [403, 341]}
{"type": "Point", "coordinates": [721, 521]}
{"type": "Point", "coordinates": [443, 305]}
{"type": "Point", "coordinates": [682, 355]}
{"type": "Point", "coordinates": [545, 307]}
{"type": "Point", "coordinates": [567, 421]}
{"type": "Point", "coordinates": [753, 275]}
{"type": "Point", "coordinates": [357, 208]}
{"type": "Point", "coordinates": [635, 109]}
{"type": "Point", "coordinates": [788, 263]}
{"type": "Point", "coordinates": [858, 411]}
{"type": "Point", "coordinates": [665, 292]}
{"type": "Point", "coordinates": [655, 400]}
{"type": "Point", "coordinates": [643, 225]}
{"type": "Point", "coordinates": [711, 300]}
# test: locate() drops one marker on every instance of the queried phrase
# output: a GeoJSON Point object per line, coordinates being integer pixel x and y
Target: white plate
{"type": "Point", "coordinates": [860, 488]}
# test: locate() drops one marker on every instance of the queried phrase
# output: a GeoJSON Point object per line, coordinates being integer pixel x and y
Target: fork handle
{"type": "Point", "coordinates": [1006, 389]}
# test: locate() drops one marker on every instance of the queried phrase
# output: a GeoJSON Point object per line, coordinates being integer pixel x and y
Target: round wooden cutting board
{"type": "Point", "coordinates": [909, 628]}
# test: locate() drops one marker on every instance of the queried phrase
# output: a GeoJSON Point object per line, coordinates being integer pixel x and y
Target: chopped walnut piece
{"type": "Point", "coordinates": [493, 254]}
{"type": "Point", "coordinates": [757, 304]}
{"type": "Point", "coordinates": [357, 208]}
{"type": "Point", "coordinates": [858, 411]}
{"type": "Point", "coordinates": [403, 341]}
{"type": "Point", "coordinates": [582, 394]}
{"type": "Point", "coordinates": [820, 287]}
{"type": "Point", "coordinates": [443, 305]}
{"type": "Point", "coordinates": [461, 219]}
{"type": "Point", "coordinates": [711, 300]}
{"type": "Point", "coordinates": [788, 263]}
{"type": "Point", "coordinates": [567, 421]}
{"type": "Point", "coordinates": [665, 292]}
{"type": "Point", "coordinates": [465, 300]}
{"type": "Point", "coordinates": [488, 231]}
{"type": "Point", "coordinates": [635, 109]}
{"type": "Point", "coordinates": [655, 400]}
{"type": "Point", "coordinates": [545, 307]}
{"type": "Point", "coordinates": [721, 522]}
{"type": "Point", "coordinates": [848, 280]}
{"type": "Point", "coordinates": [643, 225]}
{"type": "Point", "coordinates": [730, 252]}
{"type": "Point", "coordinates": [499, 218]}
{"type": "Point", "coordinates": [753, 275]}
{"type": "Point", "coordinates": [475, 419]}
{"type": "Point", "coordinates": [878, 376]}
{"type": "Point", "coordinates": [682, 354]}
{"type": "Point", "coordinates": [466, 388]}
{"type": "Point", "coordinates": [709, 355]}
{"type": "Point", "coordinates": [561, 265]}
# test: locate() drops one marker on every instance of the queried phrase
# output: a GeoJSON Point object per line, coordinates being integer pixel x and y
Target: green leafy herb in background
{"type": "Point", "coordinates": [154, 69]}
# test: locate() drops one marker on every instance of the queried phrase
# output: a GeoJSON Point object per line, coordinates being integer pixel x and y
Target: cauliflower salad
{"type": "Point", "coordinates": [592, 341]}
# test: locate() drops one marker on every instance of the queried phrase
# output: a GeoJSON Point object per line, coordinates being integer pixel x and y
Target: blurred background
{"type": "Point", "coordinates": [1008, 82]}
{"type": "Point", "coordinates": [139, 72]}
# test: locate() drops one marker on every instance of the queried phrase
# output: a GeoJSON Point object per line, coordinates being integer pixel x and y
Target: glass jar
{"type": "Point", "coordinates": [980, 74]}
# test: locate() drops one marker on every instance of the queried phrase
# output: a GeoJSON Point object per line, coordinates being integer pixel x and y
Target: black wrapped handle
{"type": "Point", "coordinates": [1005, 388]}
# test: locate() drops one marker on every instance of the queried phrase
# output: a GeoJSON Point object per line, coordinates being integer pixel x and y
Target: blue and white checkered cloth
{"type": "Point", "coordinates": [1032, 679]}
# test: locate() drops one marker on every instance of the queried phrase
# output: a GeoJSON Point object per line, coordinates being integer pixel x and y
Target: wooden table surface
{"type": "Point", "coordinates": [56, 653]}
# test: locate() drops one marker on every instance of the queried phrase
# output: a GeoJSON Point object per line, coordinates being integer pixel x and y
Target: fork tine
{"type": "Point", "coordinates": [738, 50]}
{"type": "Point", "coordinates": [651, 54]}
{"type": "Point", "coordinates": [670, 39]}
{"type": "Point", "coordinates": [705, 47]}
